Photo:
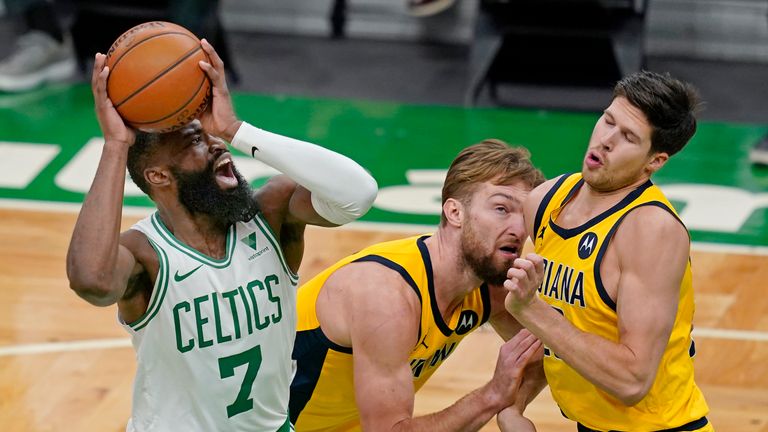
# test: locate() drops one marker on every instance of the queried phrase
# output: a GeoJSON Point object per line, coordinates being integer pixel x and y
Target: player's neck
{"type": "Point", "coordinates": [198, 231]}
{"type": "Point", "coordinates": [452, 279]}
{"type": "Point", "coordinates": [590, 202]}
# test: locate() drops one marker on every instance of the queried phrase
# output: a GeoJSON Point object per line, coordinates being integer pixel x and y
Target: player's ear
{"type": "Point", "coordinates": [657, 161]}
{"type": "Point", "coordinates": [454, 211]}
{"type": "Point", "coordinates": [157, 176]}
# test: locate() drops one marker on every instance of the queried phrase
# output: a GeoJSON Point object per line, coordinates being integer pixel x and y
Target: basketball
{"type": "Point", "coordinates": [155, 82]}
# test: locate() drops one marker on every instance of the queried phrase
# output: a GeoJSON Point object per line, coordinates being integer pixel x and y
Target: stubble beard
{"type": "Point", "coordinates": [480, 263]}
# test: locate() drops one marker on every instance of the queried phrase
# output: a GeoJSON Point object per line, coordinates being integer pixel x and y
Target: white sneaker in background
{"type": "Point", "coordinates": [424, 8]}
{"type": "Point", "coordinates": [37, 58]}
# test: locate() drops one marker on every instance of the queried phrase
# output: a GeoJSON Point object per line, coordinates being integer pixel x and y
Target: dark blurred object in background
{"type": "Point", "coordinates": [47, 50]}
{"type": "Point", "coordinates": [555, 42]}
{"type": "Point", "coordinates": [97, 23]}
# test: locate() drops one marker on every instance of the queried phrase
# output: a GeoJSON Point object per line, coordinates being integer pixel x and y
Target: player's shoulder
{"type": "Point", "coordinates": [545, 187]}
{"type": "Point", "coordinates": [653, 216]}
{"type": "Point", "coordinates": [139, 246]}
{"type": "Point", "coordinates": [654, 224]}
{"type": "Point", "coordinates": [536, 196]}
{"type": "Point", "coordinates": [374, 283]}
{"type": "Point", "coordinates": [377, 301]}
{"type": "Point", "coordinates": [134, 239]}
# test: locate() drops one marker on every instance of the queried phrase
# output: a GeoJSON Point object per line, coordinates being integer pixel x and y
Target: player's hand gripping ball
{"type": "Point", "coordinates": [155, 82]}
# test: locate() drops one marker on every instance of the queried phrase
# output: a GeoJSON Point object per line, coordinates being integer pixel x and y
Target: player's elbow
{"type": "Point", "coordinates": [351, 206]}
{"type": "Point", "coordinates": [365, 196]}
{"type": "Point", "coordinates": [631, 398]}
{"type": "Point", "coordinates": [91, 288]}
{"type": "Point", "coordinates": [632, 392]}
{"type": "Point", "coordinates": [368, 191]}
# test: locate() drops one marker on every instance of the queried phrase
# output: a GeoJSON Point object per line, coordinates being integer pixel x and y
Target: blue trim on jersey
{"type": "Point", "coordinates": [690, 426]}
{"type": "Point", "coordinates": [402, 272]}
{"type": "Point", "coordinates": [544, 203]}
{"type": "Point", "coordinates": [485, 295]}
{"type": "Point", "coordinates": [572, 232]}
{"type": "Point", "coordinates": [604, 247]}
{"type": "Point", "coordinates": [309, 352]}
{"type": "Point", "coordinates": [436, 315]}
{"type": "Point", "coordinates": [573, 191]}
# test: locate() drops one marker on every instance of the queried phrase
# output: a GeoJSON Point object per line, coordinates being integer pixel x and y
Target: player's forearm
{"type": "Point", "coordinates": [342, 190]}
{"type": "Point", "coordinates": [468, 414]}
{"type": "Point", "coordinates": [611, 366]}
{"type": "Point", "coordinates": [93, 249]}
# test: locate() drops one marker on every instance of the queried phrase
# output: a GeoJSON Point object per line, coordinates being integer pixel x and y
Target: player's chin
{"type": "Point", "coordinates": [497, 278]}
{"type": "Point", "coordinates": [502, 264]}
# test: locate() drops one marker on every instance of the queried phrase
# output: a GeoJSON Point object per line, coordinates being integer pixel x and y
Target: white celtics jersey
{"type": "Point", "coordinates": [214, 346]}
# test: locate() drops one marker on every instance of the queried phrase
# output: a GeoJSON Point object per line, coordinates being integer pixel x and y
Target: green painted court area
{"type": "Point", "coordinates": [49, 142]}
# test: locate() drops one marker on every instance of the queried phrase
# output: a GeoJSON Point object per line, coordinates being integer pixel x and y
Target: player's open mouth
{"type": "Point", "coordinates": [225, 173]}
{"type": "Point", "coordinates": [509, 251]}
{"type": "Point", "coordinates": [593, 160]}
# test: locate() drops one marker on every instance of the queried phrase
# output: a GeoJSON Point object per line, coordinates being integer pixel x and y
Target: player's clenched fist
{"type": "Point", "coordinates": [523, 279]}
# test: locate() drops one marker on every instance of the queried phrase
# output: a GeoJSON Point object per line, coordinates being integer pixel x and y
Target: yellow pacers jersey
{"type": "Point", "coordinates": [573, 286]}
{"type": "Point", "coordinates": [322, 392]}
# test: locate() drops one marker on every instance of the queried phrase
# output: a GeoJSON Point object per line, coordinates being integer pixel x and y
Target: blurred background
{"type": "Point", "coordinates": [383, 79]}
{"type": "Point", "coordinates": [553, 53]}
{"type": "Point", "coordinates": [400, 86]}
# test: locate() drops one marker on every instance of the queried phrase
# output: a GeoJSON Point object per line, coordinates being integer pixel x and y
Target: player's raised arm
{"type": "Point", "coordinates": [98, 268]}
{"type": "Point", "coordinates": [333, 189]}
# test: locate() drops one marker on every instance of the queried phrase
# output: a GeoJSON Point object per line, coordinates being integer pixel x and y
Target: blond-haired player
{"type": "Point", "coordinates": [375, 326]}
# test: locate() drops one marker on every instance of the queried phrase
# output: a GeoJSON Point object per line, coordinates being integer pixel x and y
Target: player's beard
{"type": "Point", "coordinates": [199, 193]}
{"type": "Point", "coordinates": [481, 263]}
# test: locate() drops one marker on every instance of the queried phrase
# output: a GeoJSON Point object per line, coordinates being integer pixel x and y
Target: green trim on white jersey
{"type": "Point", "coordinates": [160, 288]}
{"type": "Point", "coordinates": [270, 235]}
{"type": "Point", "coordinates": [215, 337]}
{"type": "Point", "coordinates": [192, 253]}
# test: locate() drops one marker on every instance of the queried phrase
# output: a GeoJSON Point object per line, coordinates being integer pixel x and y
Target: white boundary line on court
{"type": "Point", "coordinates": [741, 335]}
{"type": "Point", "coordinates": [56, 347]}
{"type": "Point", "coordinates": [17, 204]}
{"type": "Point", "coordinates": [99, 344]}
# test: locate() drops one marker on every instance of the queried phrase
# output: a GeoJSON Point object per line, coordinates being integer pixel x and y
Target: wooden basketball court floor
{"type": "Point", "coordinates": [67, 366]}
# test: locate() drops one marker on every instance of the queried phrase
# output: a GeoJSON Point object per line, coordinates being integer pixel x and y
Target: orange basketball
{"type": "Point", "coordinates": [154, 80]}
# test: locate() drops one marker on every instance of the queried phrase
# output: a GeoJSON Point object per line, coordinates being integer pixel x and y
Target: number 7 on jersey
{"type": "Point", "coordinates": [227, 366]}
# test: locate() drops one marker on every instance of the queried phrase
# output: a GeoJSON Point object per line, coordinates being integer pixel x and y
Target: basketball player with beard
{"type": "Point", "coordinates": [206, 285]}
{"type": "Point", "coordinates": [375, 326]}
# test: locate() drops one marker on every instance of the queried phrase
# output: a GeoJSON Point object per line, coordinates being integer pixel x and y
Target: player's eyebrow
{"type": "Point", "coordinates": [624, 128]}
{"type": "Point", "coordinates": [507, 196]}
{"type": "Point", "coordinates": [191, 130]}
